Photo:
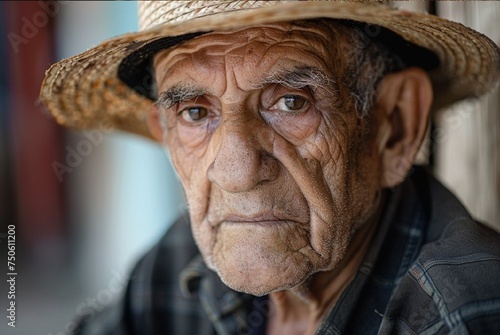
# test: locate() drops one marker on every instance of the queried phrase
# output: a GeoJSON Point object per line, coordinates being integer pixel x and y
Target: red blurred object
{"type": "Point", "coordinates": [35, 137]}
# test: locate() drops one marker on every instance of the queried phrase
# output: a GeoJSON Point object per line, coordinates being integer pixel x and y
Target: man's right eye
{"type": "Point", "coordinates": [194, 114]}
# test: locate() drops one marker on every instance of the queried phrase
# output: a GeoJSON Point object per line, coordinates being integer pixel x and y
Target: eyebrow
{"type": "Point", "coordinates": [295, 78]}
{"type": "Point", "coordinates": [179, 93]}
{"type": "Point", "coordinates": [300, 77]}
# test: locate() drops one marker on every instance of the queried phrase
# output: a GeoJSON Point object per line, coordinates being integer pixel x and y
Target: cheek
{"type": "Point", "coordinates": [353, 169]}
{"type": "Point", "coordinates": [191, 142]}
{"type": "Point", "coordinates": [180, 160]}
{"type": "Point", "coordinates": [187, 149]}
{"type": "Point", "coordinates": [295, 129]}
{"type": "Point", "coordinates": [346, 165]}
{"type": "Point", "coordinates": [191, 164]}
{"type": "Point", "coordinates": [327, 148]}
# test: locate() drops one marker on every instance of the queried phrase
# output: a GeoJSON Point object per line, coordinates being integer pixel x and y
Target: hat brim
{"type": "Point", "coordinates": [87, 90]}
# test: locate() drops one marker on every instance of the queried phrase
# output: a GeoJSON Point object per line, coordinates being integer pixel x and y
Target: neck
{"type": "Point", "coordinates": [301, 309]}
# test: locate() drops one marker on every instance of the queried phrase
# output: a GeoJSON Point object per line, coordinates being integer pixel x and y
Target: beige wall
{"type": "Point", "coordinates": [467, 149]}
{"type": "Point", "coordinates": [467, 159]}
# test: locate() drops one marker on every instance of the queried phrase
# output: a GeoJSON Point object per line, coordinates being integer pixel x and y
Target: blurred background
{"type": "Point", "coordinates": [80, 229]}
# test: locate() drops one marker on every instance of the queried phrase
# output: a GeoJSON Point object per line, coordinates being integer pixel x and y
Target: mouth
{"type": "Point", "coordinates": [264, 220]}
{"type": "Point", "coordinates": [260, 223]}
{"type": "Point", "coordinates": [264, 217]}
{"type": "Point", "coordinates": [255, 214]}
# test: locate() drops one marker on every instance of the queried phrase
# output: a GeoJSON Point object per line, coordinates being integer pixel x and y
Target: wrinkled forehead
{"type": "Point", "coordinates": [319, 31]}
{"type": "Point", "coordinates": [311, 41]}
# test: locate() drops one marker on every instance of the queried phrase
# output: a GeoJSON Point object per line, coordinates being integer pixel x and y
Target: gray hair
{"type": "Point", "coordinates": [367, 63]}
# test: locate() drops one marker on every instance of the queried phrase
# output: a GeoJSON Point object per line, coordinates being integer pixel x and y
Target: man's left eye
{"type": "Point", "coordinates": [291, 103]}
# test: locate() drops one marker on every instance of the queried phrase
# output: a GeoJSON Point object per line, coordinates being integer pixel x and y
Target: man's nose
{"type": "Point", "coordinates": [241, 162]}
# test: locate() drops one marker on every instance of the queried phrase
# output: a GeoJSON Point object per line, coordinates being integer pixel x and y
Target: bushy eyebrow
{"type": "Point", "coordinates": [299, 77]}
{"type": "Point", "coordinates": [295, 78]}
{"type": "Point", "coordinates": [179, 93]}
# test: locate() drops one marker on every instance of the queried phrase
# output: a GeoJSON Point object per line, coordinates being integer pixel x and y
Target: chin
{"type": "Point", "coordinates": [258, 259]}
{"type": "Point", "coordinates": [258, 275]}
{"type": "Point", "coordinates": [260, 287]}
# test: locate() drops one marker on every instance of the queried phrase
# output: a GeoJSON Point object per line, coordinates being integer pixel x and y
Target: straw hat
{"type": "Point", "coordinates": [112, 81]}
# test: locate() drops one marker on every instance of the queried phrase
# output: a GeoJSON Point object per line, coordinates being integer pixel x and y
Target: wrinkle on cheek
{"type": "Point", "coordinates": [323, 146]}
{"type": "Point", "coordinates": [309, 178]}
{"type": "Point", "coordinates": [324, 190]}
{"type": "Point", "coordinates": [186, 160]}
{"type": "Point", "coordinates": [338, 129]}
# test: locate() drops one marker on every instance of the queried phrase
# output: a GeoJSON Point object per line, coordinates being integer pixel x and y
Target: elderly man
{"type": "Point", "coordinates": [293, 128]}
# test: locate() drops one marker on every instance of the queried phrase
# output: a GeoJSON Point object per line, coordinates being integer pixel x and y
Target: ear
{"type": "Point", "coordinates": [403, 104]}
{"type": "Point", "coordinates": [154, 123]}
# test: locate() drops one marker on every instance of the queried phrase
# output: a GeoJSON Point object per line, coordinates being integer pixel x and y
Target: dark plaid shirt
{"type": "Point", "coordinates": [430, 270]}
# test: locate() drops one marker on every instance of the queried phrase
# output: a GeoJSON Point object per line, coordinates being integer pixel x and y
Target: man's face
{"type": "Point", "coordinates": [273, 159]}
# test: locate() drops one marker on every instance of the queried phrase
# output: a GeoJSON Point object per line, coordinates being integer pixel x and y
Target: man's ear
{"type": "Point", "coordinates": [154, 123]}
{"type": "Point", "coordinates": [403, 104]}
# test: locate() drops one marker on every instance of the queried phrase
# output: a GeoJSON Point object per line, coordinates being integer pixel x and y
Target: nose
{"type": "Point", "coordinates": [241, 162]}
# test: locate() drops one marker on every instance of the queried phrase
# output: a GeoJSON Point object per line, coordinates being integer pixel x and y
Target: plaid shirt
{"type": "Point", "coordinates": [430, 270]}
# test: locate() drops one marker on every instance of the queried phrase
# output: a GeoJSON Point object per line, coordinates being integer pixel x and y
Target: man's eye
{"type": "Point", "coordinates": [194, 114]}
{"type": "Point", "coordinates": [291, 103]}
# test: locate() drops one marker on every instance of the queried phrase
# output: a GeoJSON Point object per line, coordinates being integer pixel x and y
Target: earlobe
{"type": "Point", "coordinates": [154, 123]}
{"type": "Point", "coordinates": [404, 101]}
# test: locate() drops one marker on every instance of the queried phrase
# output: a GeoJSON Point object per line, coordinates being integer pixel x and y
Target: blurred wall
{"type": "Point", "coordinates": [468, 149]}
{"type": "Point", "coordinates": [465, 138]}
{"type": "Point", "coordinates": [124, 194]}
{"type": "Point", "coordinates": [78, 233]}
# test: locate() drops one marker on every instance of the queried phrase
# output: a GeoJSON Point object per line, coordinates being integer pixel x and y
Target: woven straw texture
{"type": "Point", "coordinates": [83, 91]}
